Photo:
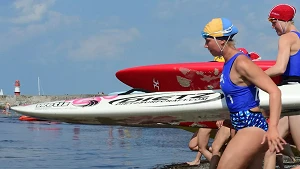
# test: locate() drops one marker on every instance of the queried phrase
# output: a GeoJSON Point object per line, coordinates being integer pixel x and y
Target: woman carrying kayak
{"type": "Point", "coordinates": [240, 84]}
{"type": "Point", "coordinates": [199, 140]}
{"type": "Point", "coordinates": [287, 63]}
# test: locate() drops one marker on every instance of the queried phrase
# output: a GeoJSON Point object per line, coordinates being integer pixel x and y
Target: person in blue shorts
{"type": "Point", "coordinates": [287, 63]}
{"type": "Point", "coordinates": [239, 82]}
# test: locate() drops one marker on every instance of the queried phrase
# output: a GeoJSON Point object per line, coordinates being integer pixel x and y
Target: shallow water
{"type": "Point", "coordinates": [50, 145]}
{"type": "Point", "coordinates": [30, 145]}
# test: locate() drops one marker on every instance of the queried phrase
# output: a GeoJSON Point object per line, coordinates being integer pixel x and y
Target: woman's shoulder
{"type": "Point", "coordinates": [242, 62]}
{"type": "Point", "coordinates": [288, 39]}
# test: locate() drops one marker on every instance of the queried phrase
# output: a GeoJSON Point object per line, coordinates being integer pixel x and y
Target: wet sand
{"type": "Point", "coordinates": [205, 165]}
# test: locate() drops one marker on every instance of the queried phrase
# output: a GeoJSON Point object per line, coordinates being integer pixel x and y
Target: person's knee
{"type": "Point", "coordinates": [192, 146]}
{"type": "Point", "coordinates": [216, 148]}
{"type": "Point", "coordinates": [224, 132]}
{"type": "Point", "coordinates": [217, 145]}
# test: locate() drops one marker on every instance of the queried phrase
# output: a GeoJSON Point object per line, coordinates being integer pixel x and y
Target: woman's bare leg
{"type": "Point", "coordinates": [294, 122]}
{"type": "Point", "coordinates": [244, 147]}
{"type": "Point", "coordinates": [193, 145]}
{"type": "Point", "coordinates": [203, 138]}
{"type": "Point", "coordinates": [221, 137]}
{"type": "Point", "coordinates": [257, 162]}
{"type": "Point", "coordinates": [270, 160]}
{"type": "Point", "coordinates": [283, 126]}
{"type": "Point", "coordinates": [197, 159]}
{"type": "Point", "coordinates": [288, 124]}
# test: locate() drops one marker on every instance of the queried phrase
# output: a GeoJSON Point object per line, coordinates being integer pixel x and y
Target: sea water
{"type": "Point", "coordinates": [61, 145]}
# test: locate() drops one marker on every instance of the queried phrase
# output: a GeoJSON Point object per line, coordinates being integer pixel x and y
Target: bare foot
{"type": "Point", "coordinates": [297, 167]}
{"type": "Point", "coordinates": [195, 162]}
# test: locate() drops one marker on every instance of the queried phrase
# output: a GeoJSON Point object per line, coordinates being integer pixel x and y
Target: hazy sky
{"type": "Point", "coordinates": [76, 46]}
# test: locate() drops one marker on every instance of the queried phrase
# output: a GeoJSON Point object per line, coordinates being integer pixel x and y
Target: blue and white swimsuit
{"type": "Point", "coordinates": [240, 99]}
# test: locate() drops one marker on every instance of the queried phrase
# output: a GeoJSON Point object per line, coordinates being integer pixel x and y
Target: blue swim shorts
{"type": "Point", "coordinates": [248, 118]}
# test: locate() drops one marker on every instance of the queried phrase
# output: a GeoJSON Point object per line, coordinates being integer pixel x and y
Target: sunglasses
{"type": "Point", "coordinates": [209, 35]}
{"type": "Point", "coordinates": [273, 20]}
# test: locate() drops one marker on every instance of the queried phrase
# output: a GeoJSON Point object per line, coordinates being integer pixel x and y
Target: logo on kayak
{"type": "Point", "coordinates": [86, 102]}
{"type": "Point", "coordinates": [53, 104]}
{"type": "Point", "coordinates": [155, 84]}
{"type": "Point", "coordinates": [171, 99]}
{"type": "Point", "coordinates": [82, 102]}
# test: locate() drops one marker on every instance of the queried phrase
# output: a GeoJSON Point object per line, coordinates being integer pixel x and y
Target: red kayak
{"type": "Point", "coordinates": [179, 76]}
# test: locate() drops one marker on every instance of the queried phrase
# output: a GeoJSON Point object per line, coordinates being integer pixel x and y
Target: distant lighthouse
{"type": "Point", "coordinates": [17, 88]}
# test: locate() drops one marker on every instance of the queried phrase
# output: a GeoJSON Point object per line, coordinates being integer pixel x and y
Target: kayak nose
{"type": "Point", "coordinates": [22, 109]}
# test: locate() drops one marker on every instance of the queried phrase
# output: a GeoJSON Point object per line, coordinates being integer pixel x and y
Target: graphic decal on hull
{"type": "Point", "coordinates": [82, 102]}
{"type": "Point", "coordinates": [171, 99]}
{"type": "Point", "coordinates": [192, 78]}
{"type": "Point", "coordinates": [86, 102]}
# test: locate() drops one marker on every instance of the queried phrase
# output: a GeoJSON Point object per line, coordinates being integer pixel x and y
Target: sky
{"type": "Point", "coordinates": [77, 46]}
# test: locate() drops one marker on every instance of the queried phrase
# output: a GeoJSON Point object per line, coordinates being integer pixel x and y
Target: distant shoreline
{"type": "Point", "coordinates": [14, 100]}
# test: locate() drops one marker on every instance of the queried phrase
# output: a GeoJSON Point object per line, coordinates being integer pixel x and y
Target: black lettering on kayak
{"type": "Point", "coordinates": [168, 99]}
{"type": "Point", "coordinates": [53, 104]}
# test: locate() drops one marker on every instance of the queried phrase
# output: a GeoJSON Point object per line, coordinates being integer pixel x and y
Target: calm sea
{"type": "Point", "coordinates": [49, 145]}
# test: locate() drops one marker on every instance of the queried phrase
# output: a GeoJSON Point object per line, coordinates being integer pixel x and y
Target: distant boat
{"type": "Point", "coordinates": [1, 92]}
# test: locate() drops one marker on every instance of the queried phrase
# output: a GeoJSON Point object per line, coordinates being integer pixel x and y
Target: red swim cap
{"type": "Point", "coordinates": [283, 12]}
{"type": "Point", "coordinates": [243, 50]}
